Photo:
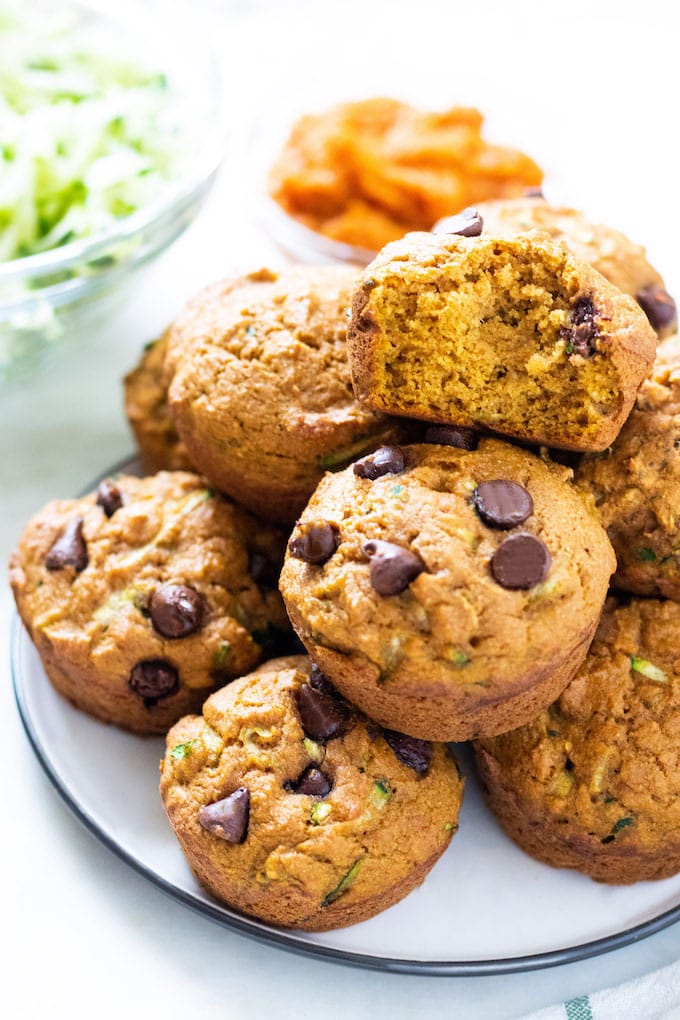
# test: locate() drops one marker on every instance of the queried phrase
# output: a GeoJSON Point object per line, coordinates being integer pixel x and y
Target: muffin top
{"type": "Point", "coordinates": [609, 251]}
{"type": "Point", "coordinates": [452, 570]}
{"type": "Point", "coordinates": [606, 755]}
{"type": "Point", "coordinates": [298, 808]}
{"type": "Point", "coordinates": [259, 382]}
{"type": "Point", "coordinates": [636, 483]}
{"type": "Point", "coordinates": [150, 570]}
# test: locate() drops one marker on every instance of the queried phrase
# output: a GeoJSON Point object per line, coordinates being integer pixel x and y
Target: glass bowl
{"type": "Point", "coordinates": [62, 293]}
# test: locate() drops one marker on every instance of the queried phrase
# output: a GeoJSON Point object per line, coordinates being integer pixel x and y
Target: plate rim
{"type": "Point", "coordinates": [281, 938]}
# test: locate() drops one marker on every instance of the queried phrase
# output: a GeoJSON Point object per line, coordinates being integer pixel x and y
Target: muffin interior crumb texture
{"type": "Point", "coordinates": [497, 337]}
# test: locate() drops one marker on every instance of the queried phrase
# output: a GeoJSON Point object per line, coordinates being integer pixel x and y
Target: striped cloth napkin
{"type": "Point", "coordinates": [655, 996]}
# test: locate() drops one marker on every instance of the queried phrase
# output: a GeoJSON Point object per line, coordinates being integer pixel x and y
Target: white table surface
{"type": "Point", "coordinates": [588, 89]}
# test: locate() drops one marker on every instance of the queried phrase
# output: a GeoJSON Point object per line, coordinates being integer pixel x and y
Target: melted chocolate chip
{"type": "Point", "coordinates": [582, 332]}
{"type": "Point", "coordinates": [502, 503]}
{"type": "Point", "coordinates": [521, 561]}
{"type": "Point", "coordinates": [392, 567]}
{"type": "Point", "coordinates": [228, 818]}
{"type": "Point", "coordinates": [70, 548]}
{"type": "Point", "coordinates": [313, 782]}
{"type": "Point", "coordinates": [658, 306]}
{"type": "Point", "coordinates": [176, 610]}
{"type": "Point", "coordinates": [415, 753]}
{"type": "Point", "coordinates": [467, 223]}
{"type": "Point", "coordinates": [109, 497]}
{"type": "Point", "coordinates": [314, 542]}
{"type": "Point", "coordinates": [387, 460]}
{"type": "Point", "coordinates": [452, 435]}
{"type": "Point", "coordinates": [263, 571]}
{"type": "Point", "coordinates": [322, 716]}
{"type": "Point", "coordinates": [320, 682]}
{"type": "Point", "coordinates": [153, 679]}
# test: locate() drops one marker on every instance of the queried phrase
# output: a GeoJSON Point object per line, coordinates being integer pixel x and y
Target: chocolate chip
{"type": "Point", "coordinates": [320, 682]}
{"type": "Point", "coordinates": [452, 435]}
{"type": "Point", "coordinates": [176, 610]}
{"type": "Point", "coordinates": [153, 679]}
{"type": "Point", "coordinates": [109, 497]}
{"type": "Point", "coordinates": [228, 818]}
{"type": "Point", "coordinates": [533, 193]}
{"type": "Point", "coordinates": [658, 306]}
{"type": "Point", "coordinates": [313, 782]}
{"type": "Point", "coordinates": [263, 571]}
{"type": "Point", "coordinates": [314, 542]}
{"type": "Point", "coordinates": [502, 503]}
{"type": "Point", "coordinates": [521, 561]}
{"type": "Point", "coordinates": [387, 460]}
{"type": "Point", "coordinates": [392, 566]}
{"type": "Point", "coordinates": [415, 753]}
{"type": "Point", "coordinates": [70, 549]}
{"type": "Point", "coordinates": [580, 335]}
{"type": "Point", "coordinates": [467, 223]}
{"type": "Point", "coordinates": [322, 716]}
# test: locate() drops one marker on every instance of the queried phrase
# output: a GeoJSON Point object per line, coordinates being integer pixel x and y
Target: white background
{"type": "Point", "coordinates": [591, 91]}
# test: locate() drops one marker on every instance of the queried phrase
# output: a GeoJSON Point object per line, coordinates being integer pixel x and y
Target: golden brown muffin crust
{"type": "Point", "coordinates": [306, 861]}
{"type": "Point", "coordinates": [454, 654]}
{"type": "Point", "coordinates": [594, 782]}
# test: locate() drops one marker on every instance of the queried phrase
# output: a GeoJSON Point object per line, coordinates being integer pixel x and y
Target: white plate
{"type": "Point", "coordinates": [485, 908]}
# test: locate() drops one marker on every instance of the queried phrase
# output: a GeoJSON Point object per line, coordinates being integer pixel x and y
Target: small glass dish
{"type": "Point", "coordinates": [60, 294]}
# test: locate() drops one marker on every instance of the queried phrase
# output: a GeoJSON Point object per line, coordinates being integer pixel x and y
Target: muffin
{"type": "Point", "coordinates": [448, 592]}
{"type": "Point", "coordinates": [292, 807]}
{"type": "Point", "coordinates": [636, 484]}
{"type": "Point", "coordinates": [260, 390]}
{"type": "Point", "coordinates": [146, 406]}
{"type": "Point", "coordinates": [608, 251]}
{"type": "Point", "coordinates": [511, 333]}
{"type": "Point", "coordinates": [594, 782]}
{"type": "Point", "coordinates": [143, 596]}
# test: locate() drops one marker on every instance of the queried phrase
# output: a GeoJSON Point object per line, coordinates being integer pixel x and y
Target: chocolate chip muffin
{"type": "Point", "coordinates": [260, 390]}
{"type": "Point", "coordinates": [143, 596]}
{"type": "Point", "coordinates": [146, 407]}
{"type": "Point", "coordinates": [636, 484]}
{"type": "Point", "coordinates": [292, 807]}
{"type": "Point", "coordinates": [621, 261]}
{"type": "Point", "coordinates": [510, 333]}
{"type": "Point", "coordinates": [448, 592]}
{"type": "Point", "coordinates": [594, 782]}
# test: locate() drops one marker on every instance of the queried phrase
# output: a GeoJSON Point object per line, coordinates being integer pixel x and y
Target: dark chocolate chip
{"type": "Point", "coordinates": [176, 610]}
{"type": "Point", "coordinates": [411, 751]}
{"type": "Point", "coordinates": [658, 306]}
{"type": "Point", "coordinates": [533, 193]}
{"type": "Point", "coordinates": [263, 571]}
{"type": "Point", "coordinates": [320, 682]}
{"type": "Point", "coordinates": [313, 782]}
{"type": "Point", "coordinates": [521, 561]}
{"type": "Point", "coordinates": [153, 679]}
{"type": "Point", "coordinates": [392, 566]}
{"type": "Point", "coordinates": [70, 549]}
{"type": "Point", "coordinates": [467, 223]}
{"type": "Point", "coordinates": [582, 332]}
{"type": "Point", "coordinates": [387, 460]}
{"type": "Point", "coordinates": [502, 503]}
{"type": "Point", "coordinates": [452, 435]}
{"type": "Point", "coordinates": [314, 542]}
{"type": "Point", "coordinates": [322, 716]}
{"type": "Point", "coordinates": [228, 818]}
{"type": "Point", "coordinates": [109, 497]}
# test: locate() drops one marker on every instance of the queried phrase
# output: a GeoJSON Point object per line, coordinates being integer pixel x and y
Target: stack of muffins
{"type": "Point", "coordinates": [437, 442]}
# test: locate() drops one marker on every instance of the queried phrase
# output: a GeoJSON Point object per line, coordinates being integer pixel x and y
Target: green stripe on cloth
{"type": "Point", "coordinates": [579, 1009]}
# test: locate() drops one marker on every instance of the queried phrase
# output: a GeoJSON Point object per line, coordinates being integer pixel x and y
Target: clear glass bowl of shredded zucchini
{"type": "Point", "coordinates": [111, 132]}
